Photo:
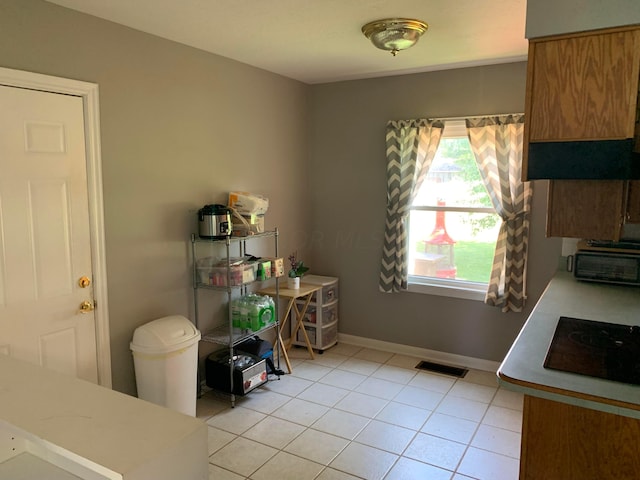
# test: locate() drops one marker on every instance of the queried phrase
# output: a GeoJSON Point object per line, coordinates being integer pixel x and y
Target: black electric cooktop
{"type": "Point", "coordinates": [596, 349]}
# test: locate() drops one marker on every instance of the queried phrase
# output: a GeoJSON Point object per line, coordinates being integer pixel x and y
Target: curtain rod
{"type": "Point", "coordinates": [475, 116]}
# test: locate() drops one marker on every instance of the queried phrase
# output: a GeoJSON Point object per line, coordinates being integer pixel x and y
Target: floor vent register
{"type": "Point", "coordinates": [441, 368]}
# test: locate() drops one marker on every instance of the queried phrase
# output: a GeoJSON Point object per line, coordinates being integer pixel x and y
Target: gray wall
{"type": "Point", "coordinates": [551, 17]}
{"type": "Point", "coordinates": [179, 128]}
{"type": "Point", "coordinates": [348, 184]}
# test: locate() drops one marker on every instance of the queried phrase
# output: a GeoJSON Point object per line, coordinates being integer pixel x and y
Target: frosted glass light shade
{"type": "Point", "coordinates": [394, 34]}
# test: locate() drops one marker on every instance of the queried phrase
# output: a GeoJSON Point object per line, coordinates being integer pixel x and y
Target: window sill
{"type": "Point", "coordinates": [467, 292]}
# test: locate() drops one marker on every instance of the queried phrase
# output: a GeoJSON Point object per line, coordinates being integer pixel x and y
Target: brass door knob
{"type": "Point", "coordinates": [84, 282]}
{"type": "Point", "coordinates": [86, 307]}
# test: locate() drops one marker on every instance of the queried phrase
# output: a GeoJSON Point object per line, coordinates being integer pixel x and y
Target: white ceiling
{"type": "Point", "coordinates": [319, 41]}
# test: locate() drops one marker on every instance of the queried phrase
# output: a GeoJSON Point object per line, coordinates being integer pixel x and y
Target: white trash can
{"type": "Point", "coordinates": [165, 357]}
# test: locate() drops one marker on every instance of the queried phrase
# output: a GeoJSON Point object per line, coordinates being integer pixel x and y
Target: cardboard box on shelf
{"type": "Point", "coordinates": [277, 266]}
{"type": "Point", "coordinates": [265, 269]}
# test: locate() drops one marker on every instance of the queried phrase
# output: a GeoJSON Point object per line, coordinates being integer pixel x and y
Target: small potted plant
{"type": "Point", "coordinates": [296, 271]}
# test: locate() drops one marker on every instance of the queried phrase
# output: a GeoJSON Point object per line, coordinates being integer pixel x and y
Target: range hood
{"type": "Point", "coordinates": [584, 160]}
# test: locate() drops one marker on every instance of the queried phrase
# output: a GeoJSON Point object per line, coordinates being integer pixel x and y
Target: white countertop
{"type": "Point", "coordinates": [105, 431]}
{"type": "Point", "coordinates": [522, 369]}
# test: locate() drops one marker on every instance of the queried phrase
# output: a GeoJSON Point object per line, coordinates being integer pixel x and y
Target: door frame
{"type": "Point", "coordinates": [89, 94]}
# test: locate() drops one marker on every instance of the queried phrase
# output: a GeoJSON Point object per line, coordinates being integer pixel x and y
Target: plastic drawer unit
{"type": "Point", "coordinates": [321, 337]}
{"type": "Point", "coordinates": [321, 315]}
{"type": "Point", "coordinates": [321, 318]}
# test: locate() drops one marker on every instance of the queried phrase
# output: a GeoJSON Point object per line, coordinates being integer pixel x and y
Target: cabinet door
{"type": "Point", "coordinates": [633, 202]}
{"type": "Point", "coordinates": [590, 209]}
{"type": "Point", "coordinates": [584, 86]}
{"type": "Point", "coordinates": [576, 443]}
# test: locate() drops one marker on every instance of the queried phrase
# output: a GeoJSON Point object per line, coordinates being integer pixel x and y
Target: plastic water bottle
{"type": "Point", "coordinates": [254, 313]}
{"type": "Point", "coordinates": [244, 314]}
{"type": "Point", "coordinates": [268, 315]}
{"type": "Point", "coordinates": [252, 316]}
{"type": "Point", "coordinates": [236, 321]}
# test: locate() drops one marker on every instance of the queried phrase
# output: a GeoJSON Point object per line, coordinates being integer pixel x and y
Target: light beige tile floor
{"type": "Point", "coordinates": [357, 413]}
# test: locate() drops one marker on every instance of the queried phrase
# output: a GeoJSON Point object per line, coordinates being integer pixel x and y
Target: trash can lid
{"type": "Point", "coordinates": [165, 335]}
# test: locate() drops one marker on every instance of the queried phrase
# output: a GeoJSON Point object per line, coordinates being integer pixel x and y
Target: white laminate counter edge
{"type": "Point", "coordinates": [110, 433]}
{"type": "Point", "coordinates": [522, 369]}
{"type": "Point", "coordinates": [53, 454]}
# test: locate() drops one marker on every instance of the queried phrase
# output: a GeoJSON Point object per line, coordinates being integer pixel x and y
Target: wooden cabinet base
{"type": "Point", "coordinates": [561, 441]}
{"type": "Point", "coordinates": [591, 209]}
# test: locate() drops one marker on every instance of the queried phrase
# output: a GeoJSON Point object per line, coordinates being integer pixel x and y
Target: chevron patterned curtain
{"type": "Point", "coordinates": [411, 146]}
{"type": "Point", "coordinates": [497, 145]}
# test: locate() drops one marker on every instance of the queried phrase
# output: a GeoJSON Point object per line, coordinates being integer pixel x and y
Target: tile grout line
{"type": "Point", "coordinates": [370, 419]}
{"type": "Point", "coordinates": [475, 432]}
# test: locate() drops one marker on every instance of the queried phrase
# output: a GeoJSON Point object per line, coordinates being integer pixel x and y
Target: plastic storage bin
{"type": "Point", "coordinates": [217, 276]}
{"type": "Point", "coordinates": [320, 337]}
{"type": "Point", "coordinates": [165, 357]}
{"type": "Point", "coordinates": [321, 318]}
{"type": "Point", "coordinates": [328, 313]}
{"type": "Point", "coordinates": [329, 292]}
{"type": "Point", "coordinates": [213, 271]}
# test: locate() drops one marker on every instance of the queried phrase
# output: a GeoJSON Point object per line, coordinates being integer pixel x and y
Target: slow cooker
{"type": "Point", "coordinates": [214, 221]}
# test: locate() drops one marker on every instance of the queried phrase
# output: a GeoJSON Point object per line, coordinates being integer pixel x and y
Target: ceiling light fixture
{"type": "Point", "coordinates": [394, 34]}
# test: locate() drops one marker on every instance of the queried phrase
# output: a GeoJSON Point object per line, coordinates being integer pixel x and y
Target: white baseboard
{"type": "Point", "coordinates": [420, 353]}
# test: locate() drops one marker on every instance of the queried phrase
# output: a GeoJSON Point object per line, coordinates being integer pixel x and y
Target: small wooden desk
{"type": "Point", "coordinates": [305, 292]}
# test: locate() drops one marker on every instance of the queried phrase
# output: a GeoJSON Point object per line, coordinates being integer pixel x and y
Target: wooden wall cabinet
{"type": "Point", "coordinates": [593, 209]}
{"type": "Point", "coordinates": [584, 87]}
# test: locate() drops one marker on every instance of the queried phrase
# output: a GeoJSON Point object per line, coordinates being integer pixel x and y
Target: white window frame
{"type": "Point", "coordinates": [441, 286]}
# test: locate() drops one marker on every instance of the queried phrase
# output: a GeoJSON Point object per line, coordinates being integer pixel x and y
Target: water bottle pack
{"type": "Point", "coordinates": [252, 312]}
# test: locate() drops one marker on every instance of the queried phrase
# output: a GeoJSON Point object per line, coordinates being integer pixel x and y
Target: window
{"type": "Point", "coordinates": [453, 227]}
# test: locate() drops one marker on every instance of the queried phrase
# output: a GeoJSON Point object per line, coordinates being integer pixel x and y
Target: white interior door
{"type": "Point", "coordinates": [45, 247]}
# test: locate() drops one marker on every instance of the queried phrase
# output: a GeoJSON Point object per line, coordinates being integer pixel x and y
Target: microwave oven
{"type": "Point", "coordinates": [607, 267]}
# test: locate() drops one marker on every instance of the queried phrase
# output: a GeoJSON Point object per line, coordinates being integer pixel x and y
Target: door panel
{"type": "Point", "coordinates": [52, 233]}
{"type": "Point", "coordinates": [44, 232]}
{"type": "Point", "coordinates": [58, 351]}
